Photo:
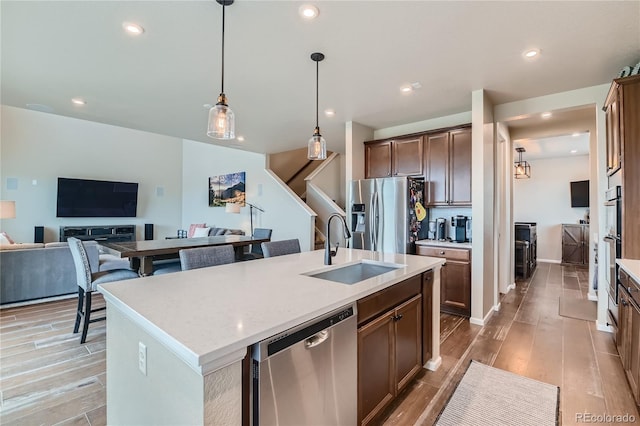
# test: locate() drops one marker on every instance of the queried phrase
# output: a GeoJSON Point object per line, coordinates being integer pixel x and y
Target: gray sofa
{"type": "Point", "coordinates": [40, 271]}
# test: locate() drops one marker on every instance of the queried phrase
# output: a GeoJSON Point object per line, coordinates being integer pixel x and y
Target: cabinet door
{"type": "Point", "coordinates": [407, 157]}
{"type": "Point", "coordinates": [455, 288]}
{"type": "Point", "coordinates": [460, 168]}
{"type": "Point", "coordinates": [376, 381]}
{"type": "Point", "coordinates": [633, 372]}
{"type": "Point", "coordinates": [436, 169]}
{"type": "Point", "coordinates": [585, 244]}
{"type": "Point", "coordinates": [408, 350]}
{"type": "Point", "coordinates": [572, 244]}
{"type": "Point", "coordinates": [377, 159]}
{"type": "Point", "coordinates": [613, 136]}
{"type": "Point", "coordinates": [624, 329]}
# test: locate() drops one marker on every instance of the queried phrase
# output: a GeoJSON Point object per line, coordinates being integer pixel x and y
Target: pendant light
{"type": "Point", "coordinates": [522, 168]}
{"type": "Point", "coordinates": [221, 118]}
{"type": "Point", "coordinates": [317, 148]}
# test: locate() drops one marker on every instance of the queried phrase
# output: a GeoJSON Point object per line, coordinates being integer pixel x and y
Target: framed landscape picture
{"type": "Point", "coordinates": [225, 189]}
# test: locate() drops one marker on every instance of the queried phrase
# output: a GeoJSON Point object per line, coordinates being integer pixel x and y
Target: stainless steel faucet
{"type": "Point", "coordinates": [328, 253]}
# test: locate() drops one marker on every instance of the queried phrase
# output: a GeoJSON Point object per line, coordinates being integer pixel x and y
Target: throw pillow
{"type": "Point", "coordinates": [5, 239]}
{"type": "Point", "coordinates": [201, 232]}
{"type": "Point", "coordinates": [193, 227]}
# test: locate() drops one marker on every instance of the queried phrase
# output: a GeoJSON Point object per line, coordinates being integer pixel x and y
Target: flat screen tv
{"type": "Point", "coordinates": [96, 198]}
{"type": "Point", "coordinates": [580, 193]}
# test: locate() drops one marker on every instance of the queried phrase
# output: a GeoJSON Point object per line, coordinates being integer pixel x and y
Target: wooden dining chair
{"type": "Point", "coordinates": [201, 257]}
{"type": "Point", "coordinates": [88, 283]}
{"type": "Point", "coordinates": [280, 248]}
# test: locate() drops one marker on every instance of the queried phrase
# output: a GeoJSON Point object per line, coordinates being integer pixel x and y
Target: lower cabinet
{"type": "Point", "coordinates": [455, 278]}
{"type": "Point", "coordinates": [389, 345]}
{"type": "Point", "coordinates": [628, 337]}
{"type": "Point", "coordinates": [575, 244]}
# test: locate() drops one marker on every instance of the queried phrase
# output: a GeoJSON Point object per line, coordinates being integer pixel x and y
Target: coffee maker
{"type": "Point", "coordinates": [459, 224]}
{"type": "Point", "coordinates": [441, 229]}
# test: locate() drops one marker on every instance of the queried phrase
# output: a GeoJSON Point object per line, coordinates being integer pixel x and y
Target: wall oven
{"type": "Point", "coordinates": [613, 247]}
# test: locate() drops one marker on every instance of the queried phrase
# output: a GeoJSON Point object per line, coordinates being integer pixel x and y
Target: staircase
{"type": "Point", "coordinates": [303, 175]}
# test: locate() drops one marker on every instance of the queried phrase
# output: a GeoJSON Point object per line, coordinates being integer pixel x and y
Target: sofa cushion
{"type": "Point", "coordinates": [201, 232]}
{"type": "Point", "coordinates": [234, 232]}
{"type": "Point", "coordinates": [192, 228]}
{"type": "Point", "coordinates": [5, 238]}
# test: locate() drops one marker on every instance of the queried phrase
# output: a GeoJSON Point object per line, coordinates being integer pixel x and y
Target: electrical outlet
{"type": "Point", "coordinates": [142, 358]}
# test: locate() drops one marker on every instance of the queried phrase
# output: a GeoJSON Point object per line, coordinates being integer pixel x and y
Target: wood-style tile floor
{"type": "Point", "coordinates": [47, 377]}
{"type": "Point", "coordinates": [528, 337]}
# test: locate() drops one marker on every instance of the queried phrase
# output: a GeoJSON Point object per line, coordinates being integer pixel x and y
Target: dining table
{"type": "Point", "coordinates": [141, 254]}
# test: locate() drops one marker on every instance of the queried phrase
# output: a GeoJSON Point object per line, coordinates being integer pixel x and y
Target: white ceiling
{"type": "Point", "coordinates": [553, 147]}
{"type": "Point", "coordinates": [53, 51]}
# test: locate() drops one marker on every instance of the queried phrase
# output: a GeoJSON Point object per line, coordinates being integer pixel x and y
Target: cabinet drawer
{"type": "Point", "coordinates": [634, 290]}
{"type": "Point", "coordinates": [445, 252]}
{"type": "Point", "coordinates": [389, 298]}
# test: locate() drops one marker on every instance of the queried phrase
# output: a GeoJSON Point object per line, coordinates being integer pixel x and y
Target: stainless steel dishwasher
{"type": "Point", "coordinates": [307, 375]}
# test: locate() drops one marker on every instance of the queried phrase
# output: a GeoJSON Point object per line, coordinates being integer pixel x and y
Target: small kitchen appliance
{"type": "Point", "coordinates": [459, 225]}
{"type": "Point", "coordinates": [431, 234]}
{"type": "Point", "coordinates": [441, 229]}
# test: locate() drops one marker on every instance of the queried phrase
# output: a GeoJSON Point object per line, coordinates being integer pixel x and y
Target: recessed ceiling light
{"type": "Point", "coordinates": [545, 115]}
{"type": "Point", "coordinates": [406, 89]}
{"type": "Point", "coordinates": [79, 101]}
{"type": "Point", "coordinates": [308, 11]}
{"type": "Point", "coordinates": [240, 138]}
{"type": "Point", "coordinates": [531, 53]}
{"type": "Point", "coordinates": [573, 151]}
{"type": "Point", "coordinates": [329, 112]}
{"type": "Point", "coordinates": [132, 28]}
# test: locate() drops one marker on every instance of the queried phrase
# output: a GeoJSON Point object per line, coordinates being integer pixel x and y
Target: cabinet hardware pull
{"type": "Point", "coordinates": [624, 302]}
{"type": "Point", "coordinates": [631, 289]}
{"type": "Point", "coordinates": [442, 252]}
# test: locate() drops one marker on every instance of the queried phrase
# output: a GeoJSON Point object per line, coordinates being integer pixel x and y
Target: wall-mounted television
{"type": "Point", "coordinates": [580, 193]}
{"type": "Point", "coordinates": [96, 198]}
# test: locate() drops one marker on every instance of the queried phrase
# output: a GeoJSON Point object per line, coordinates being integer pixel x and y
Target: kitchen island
{"type": "Point", "coordinates": [175, 342]}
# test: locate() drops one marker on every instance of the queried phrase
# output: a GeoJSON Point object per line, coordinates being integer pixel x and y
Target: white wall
{"type": "Point", "coordinates": [545, 198]}
{"type": "Point", "coordinates": [41, 147]}
{"type": "Point", "coordinates": [282, 212]}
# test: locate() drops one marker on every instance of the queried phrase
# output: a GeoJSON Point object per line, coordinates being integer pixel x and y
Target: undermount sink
{"type": "Point", "coordinates": [354, 273]}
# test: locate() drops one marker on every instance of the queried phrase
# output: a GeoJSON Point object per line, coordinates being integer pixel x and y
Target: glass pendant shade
{"type": "Point", "coordinates": [221, 122]}
{"type": "Point", "coordinates": [522, 168]}
{"type": "Point", "coordinates": [317, 148]}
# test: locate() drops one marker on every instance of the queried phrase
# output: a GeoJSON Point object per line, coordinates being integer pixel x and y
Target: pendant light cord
{"type": "Point", "coordinates": [223, 7]}
{"type": "Point", "coordinates": [317, 91]}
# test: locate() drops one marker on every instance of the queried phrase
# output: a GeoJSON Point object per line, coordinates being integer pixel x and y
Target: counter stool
{"type": "Point", "coordinates": [88, 283]}
{"type": "Point", "coordinates": [280, 248]}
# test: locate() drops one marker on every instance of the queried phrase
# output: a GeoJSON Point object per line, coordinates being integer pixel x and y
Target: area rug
{"type": "Point", "coordinates": [487, 396]}
{"type": "Point", "coordinates": [573, 307]}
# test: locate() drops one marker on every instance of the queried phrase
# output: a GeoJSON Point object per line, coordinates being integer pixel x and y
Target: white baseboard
{"type": "Point", "coordinates": [604, 327]}
{"type": "Point", "coordinates": [497, 307]}
{"type": "Point", "coordinates": [486, 318]}
{"type": "Point", "coordinates": [592, 296]}
{"type": "Point", "coordinates": [549, 261]}
{"type": "Point", "coordinates": [433, 364]}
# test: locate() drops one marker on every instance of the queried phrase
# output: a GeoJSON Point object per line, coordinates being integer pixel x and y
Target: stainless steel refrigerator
{"type": "Point", "coordinates": [388, 214]}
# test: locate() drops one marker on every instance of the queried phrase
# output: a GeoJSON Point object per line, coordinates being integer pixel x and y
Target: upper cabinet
{"type": "Point", "coordinates": [394, 157]}
{"type": "Point", "coordinates": [622, 108]}
{"type": "Point", "coordinates": [448, 168]}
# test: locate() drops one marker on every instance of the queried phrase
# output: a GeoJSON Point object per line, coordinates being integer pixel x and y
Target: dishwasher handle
{"type": "Point", "coordinates": [316, 339]}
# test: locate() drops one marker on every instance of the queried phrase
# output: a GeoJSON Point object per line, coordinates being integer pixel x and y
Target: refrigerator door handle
{"type": "Point", "coordinates": [371, 213]}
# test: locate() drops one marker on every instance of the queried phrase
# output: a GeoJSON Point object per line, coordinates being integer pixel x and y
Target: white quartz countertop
{"type": "Point", "coordinates": [631, 267]}
{"type": "Point", "coordinates": [209, 316]}
{"type": "Point", "coordinates": [449, 244]}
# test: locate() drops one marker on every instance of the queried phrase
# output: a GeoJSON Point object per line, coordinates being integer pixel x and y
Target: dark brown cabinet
{"type": "Point", "coordinates": [389, 345]}
{"type": "Point", "coordinates": [628, 333]}
{"type": "Point", "coordinates": [613, 132]}
{"type": "Point", "coordinates": [575, 244]}
{"type": "Point", "coordinates": [394, 157]}
{"type": "Point", "coordinates": [455, 278]}
{"type": "Point", "coordinates": [622, 108]}
{"type": "Point", "coordinates": [448, 168]}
